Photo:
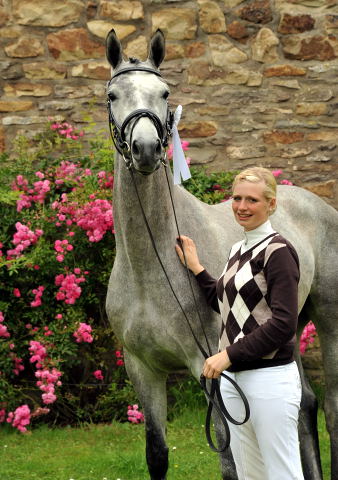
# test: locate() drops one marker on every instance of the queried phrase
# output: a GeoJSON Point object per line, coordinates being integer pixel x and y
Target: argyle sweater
{"type": "Point", "coordinates": [257, 297]}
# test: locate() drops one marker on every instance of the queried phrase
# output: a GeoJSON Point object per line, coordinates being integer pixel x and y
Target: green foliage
{"type": "Point", "coordinates": [78, 170]}
{"type": "Point", "coordinates": [210, 188]}
{"type": "Point", "coordinates": [54, 321]}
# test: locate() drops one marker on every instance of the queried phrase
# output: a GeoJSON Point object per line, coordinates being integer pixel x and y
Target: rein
{"type": "Point", "coordinates": [214, 396]}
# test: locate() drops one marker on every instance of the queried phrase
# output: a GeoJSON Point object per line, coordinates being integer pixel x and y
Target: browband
{"type": "Point", "coordinates": [136, 68]}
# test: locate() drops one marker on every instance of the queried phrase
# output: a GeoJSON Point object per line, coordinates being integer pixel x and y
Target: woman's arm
{"type": "Point", "coordinates": [207, 283]}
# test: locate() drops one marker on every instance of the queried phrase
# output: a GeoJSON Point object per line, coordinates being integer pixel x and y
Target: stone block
{"type": "Point", "coordinates": [174, 51]}
{"type": "Point", "coordinates": [197, 129]}
{"type": "Point", "coordinates": [26, 46]}
{"type": "Point", "coordinates": [229, 4]}
{"type": "Point", "coordinates": [58, 105]}
{"type": "Point", "coordinates": [100, 28]}
{"type": "Point", "coordinates": [122, 10]}
{"type": "Point", "coordinates": [176, 23]}
{"type": "Point", "coordinates": [316, 47]}
{"type": "Point", "coordinates": [263, 46]}
{"type": "Point", "coordinates": [224, 52]}
{"type": "Point", "coordinates": [47, 13]}
{"type": "Point", "coordinates": [27, 90]}
{"type": "Point", "coordinates": [44, 71]}
{"type": "Point", "coordinates": [316, 94]}
{"type": "Point", "coordinates": [30, 120]}
{"type": "Point", "coordinates": [74, 44]}
{"type": "Point", "coordinates": [293, 84]}
{"type": "Point", "coordinates": [296, 23]}
{"type": "Point", "coordinates": [255, 79]}
{"type": "Point", "coordinates": [323, 136]}
{"type": "Point", "coordinates": [245, 152]}
{"type": "Point", "coordinates": [15, 106]}
{"type": "Point", "coordinates": [94, 70]}
{"type": "Point", "coordinates": [3, 16]}
{"type": "Point", "coordinates": [313, 108]}
{"type": "Point", "coordinates": [237, 30]}
{"type": "Point", "coordinates": [295, 151]}
{"type": "Point", "coordinates": [331, 22]}
{"type": "Point", "coordinates": [211, 17]}
{"type": "Point", "coordinates": [80, 91]}
{"type": "Point", "coordinates": [138, 48]}
{"type": "Point", "coordinates": [10, 32]}
{"type": "Point", "coordinates": [284, 71]}
{"type": "Point", "coordinates": [194, 49]}
{"type": "Point", "coordinates": [283, 137]}
{"type": "Point", "coordinates": [258, 11]}
{"type": "Point", "coordinates": [323, 189]}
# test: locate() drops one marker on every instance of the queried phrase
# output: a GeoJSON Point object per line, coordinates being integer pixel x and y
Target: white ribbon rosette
{"type": "Point", "coordinates": [180, 166]}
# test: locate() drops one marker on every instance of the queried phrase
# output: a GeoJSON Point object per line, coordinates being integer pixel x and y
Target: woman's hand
{"type": "Point", "coordinates": [214, 366]}
{"type": "Point", "coordinates": [190, 254]}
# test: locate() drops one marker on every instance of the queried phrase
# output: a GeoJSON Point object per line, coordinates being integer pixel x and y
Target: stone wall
{"type": "Point", "coordinates": [257, 78]}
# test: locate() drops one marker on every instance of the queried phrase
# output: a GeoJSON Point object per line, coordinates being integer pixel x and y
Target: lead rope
{"type": "Point", "coordinates": [214, 403]}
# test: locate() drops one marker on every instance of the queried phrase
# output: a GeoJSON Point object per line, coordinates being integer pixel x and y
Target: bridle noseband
{"type": "Point", "coordinates": [118, 132]}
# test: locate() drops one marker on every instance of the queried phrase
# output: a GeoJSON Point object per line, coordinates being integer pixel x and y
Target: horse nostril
{"type": "Point", "coordinates": [136, 148]}
{"type": "Point", "coordinates": [158, 148]}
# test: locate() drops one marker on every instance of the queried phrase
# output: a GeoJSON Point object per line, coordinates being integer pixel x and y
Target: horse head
{"type": "Point", "coordinates": [137, 104]}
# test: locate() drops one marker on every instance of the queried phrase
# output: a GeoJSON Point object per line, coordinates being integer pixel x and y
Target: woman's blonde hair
{"type": "Point", "coordinates": [256, 175]}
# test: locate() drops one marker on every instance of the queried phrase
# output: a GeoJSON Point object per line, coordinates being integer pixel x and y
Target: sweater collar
{"type": "Point", "coordinates": [254, 236]}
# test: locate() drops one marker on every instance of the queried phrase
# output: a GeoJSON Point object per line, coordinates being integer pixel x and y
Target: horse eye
{"type": "Point", "coordinates": [165, 95]}
{"type": "Point", "coordinates": [111, 96]}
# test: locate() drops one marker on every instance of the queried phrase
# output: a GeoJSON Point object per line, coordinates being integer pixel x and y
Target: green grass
{"type": "Point", "coordinates": [113, 452]}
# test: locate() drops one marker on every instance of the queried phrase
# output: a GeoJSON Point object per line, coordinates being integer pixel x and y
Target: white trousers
{"type": "Point", "coordinates": [266, 447]}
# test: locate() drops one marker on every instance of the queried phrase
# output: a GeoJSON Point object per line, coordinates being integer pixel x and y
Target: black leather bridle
{"type": "Point", "coordinates": [164, 131]}
{"type": "Point", "coordinates": [118, 132]}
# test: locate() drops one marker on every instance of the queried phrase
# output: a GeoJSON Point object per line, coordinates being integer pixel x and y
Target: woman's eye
{"type": "Point", "coordinates": [236, 199]}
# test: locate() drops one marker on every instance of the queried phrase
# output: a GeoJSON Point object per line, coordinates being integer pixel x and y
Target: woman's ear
{"type": "Point", "coordinates": [272, 205]}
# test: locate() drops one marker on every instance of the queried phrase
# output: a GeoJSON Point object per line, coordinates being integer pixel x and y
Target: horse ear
{"type": "Point", "coordinates": [157, 48]}
{"type": "Point", "coordinates": [113, 49]}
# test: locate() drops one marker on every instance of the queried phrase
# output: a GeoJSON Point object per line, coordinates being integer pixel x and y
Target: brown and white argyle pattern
{"type": "Point", "coordinates": [243, 303]}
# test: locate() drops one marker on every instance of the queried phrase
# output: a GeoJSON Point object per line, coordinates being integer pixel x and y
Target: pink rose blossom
{"type": "Point", "coordinates": [98, 374]}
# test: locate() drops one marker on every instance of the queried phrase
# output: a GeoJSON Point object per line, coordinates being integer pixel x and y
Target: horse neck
{"type": "Point", "coordinates": [132, 238]}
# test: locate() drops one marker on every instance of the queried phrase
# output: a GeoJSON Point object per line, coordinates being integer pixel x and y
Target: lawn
{"type": "Point", "coordinates": [113, 452]}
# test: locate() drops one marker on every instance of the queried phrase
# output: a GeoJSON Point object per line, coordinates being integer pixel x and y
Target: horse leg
{"type": "Point", "coordinates": [329, 345]}
{"type": "Point", "coordinates": [307, 428]}
{"type": "Point", "coordinates": [150, 387]}
{"type": "Point", "coordinates": [227, 464]}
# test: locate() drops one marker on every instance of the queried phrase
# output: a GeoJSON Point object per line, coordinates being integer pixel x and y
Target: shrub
{"type": "Point", "coordinates": [57, 249]}
{"type": "Point", "coordinates": [58, 354]}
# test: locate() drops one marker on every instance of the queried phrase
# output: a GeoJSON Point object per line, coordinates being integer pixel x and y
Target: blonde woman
{"type": "Point", "coordinates": [256, 296]}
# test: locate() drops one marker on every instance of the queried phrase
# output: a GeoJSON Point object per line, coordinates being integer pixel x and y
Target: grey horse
{"type": "Point", "coordinates": [141, 307]}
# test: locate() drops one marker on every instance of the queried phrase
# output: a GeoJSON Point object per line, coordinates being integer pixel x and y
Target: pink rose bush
{"type": "Point", "coordinates": [134, 415]}
{"type": "Point", "coordinates": [56, 254]}
{"type": "Point", "coordinates": [307, 337]}
{"type": "Point", "coordinates": [20, 418]}
{"type": "Point", "coordinates": [83, 333]}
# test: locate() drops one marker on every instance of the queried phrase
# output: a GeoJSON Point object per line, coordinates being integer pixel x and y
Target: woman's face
{"type": "Point", "coordinates": [249, 204]}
